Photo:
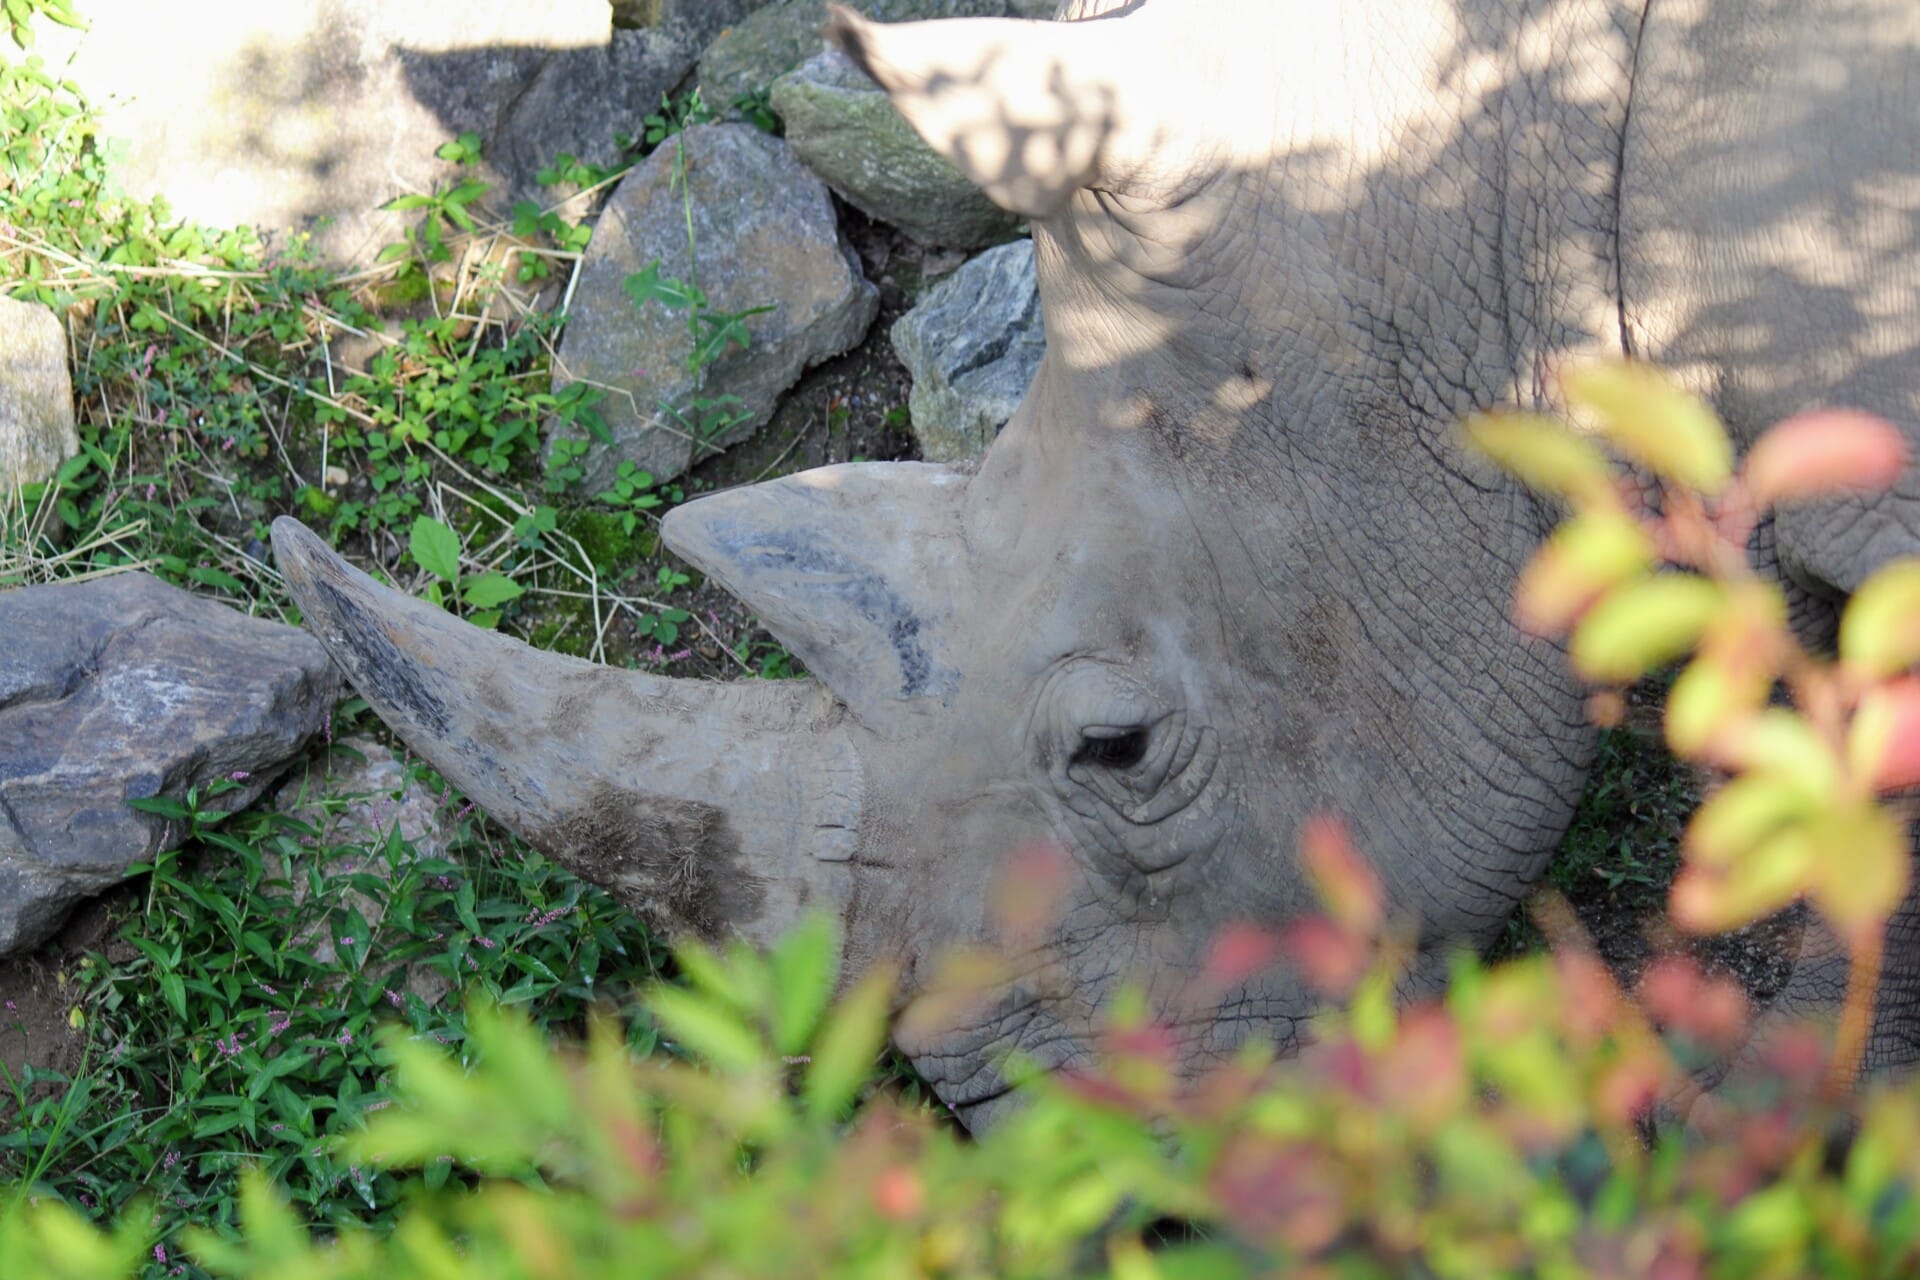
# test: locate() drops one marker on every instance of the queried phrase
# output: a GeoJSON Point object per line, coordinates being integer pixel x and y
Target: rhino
{"type": "Point", "coordinates": [1228, 566]}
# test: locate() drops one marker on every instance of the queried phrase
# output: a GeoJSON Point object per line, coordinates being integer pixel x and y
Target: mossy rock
{"type": "Point", "coordinates": [767, 44]}
{"type": "Point", "coordinates": [844, 128]}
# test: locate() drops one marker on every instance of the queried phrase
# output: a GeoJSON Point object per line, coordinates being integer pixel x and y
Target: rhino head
{"type": "Point", "coordinates": [1224, 570]}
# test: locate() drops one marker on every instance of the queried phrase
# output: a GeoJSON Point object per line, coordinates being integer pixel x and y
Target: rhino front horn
{"type": "Point", "coordinates": [709, 808]}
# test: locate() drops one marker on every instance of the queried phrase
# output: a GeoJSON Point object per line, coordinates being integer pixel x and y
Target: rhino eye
{"type": "Point", "coordinates": [1121, 750]}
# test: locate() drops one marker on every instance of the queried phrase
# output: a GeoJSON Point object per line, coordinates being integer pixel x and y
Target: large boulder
{"type": "Point", "coordinates": [312, 113]}
{"type": "Point", "coordinates": [772, 41]}
{"type": "Point", "coordinates": [846, 130]}
{"type": "Point", "coordinates": [36, 397]}
{"type": "Point", "coordinates": [122, 688]}
{"type": "Point", "coordinates": [972, 345]}
{"type": "Point", "coordinates": [763, 234]}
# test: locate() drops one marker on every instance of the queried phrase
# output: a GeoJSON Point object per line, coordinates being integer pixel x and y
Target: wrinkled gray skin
{"type": "Point", "coordinates": [1227, 567]}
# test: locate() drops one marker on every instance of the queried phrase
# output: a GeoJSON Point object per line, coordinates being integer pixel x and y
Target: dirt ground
{"type": "Point", "coordinates": [37, 1002]}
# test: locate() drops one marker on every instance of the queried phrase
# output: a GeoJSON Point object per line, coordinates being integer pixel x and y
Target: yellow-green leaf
{"type": "Point", "coordinates": [1643, 625]}
{"type": "Point", "coordinates": [1771, 875]}
{"type": "Point", "coordinates": [1544, 454]}
{"type": "Point", "coordinates": [1880, 631]}
{"type": "Point", "coordinates": [804, 967]}
{"type": "Point", "coordinates": [1587, 556]}
{"type": "Point", "coordinates": [1861, 869]}
{"type": "Point", "coordinates": [702, 1025]}
{"type": "Point", "coordinates": [1780, 745]}
{"type": "Point", "coordinates": [1737, 817]}
{"type": "Point", "coordinates": [844, 1052]}
{"type": "Point", "coordinates": [1654, 422]}
{"type": "Point", "coordinates": [1713, 696]}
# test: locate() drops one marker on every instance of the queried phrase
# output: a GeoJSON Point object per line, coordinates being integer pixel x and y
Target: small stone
{"type": "Point", "coordinates": [763, 235]}
{"type": "Point", "coordinates": [846, 129]}
{"type": "Point", "coordinates": [972, 345]}
{"type": "Point", "coordinates": [355, 796]}
{"type": "Point", "coordinates": [36, 396]}
{"type": "Point", "coordinates": [122, 688]}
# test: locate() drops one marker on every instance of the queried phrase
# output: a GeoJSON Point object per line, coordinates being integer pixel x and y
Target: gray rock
{"type": "Point", "coordinates": [714, 14]}
{"type": "Point", "coordinates": [309, 114]}
{"type": "Point", "coordinates": [355, 795]}
{"type": "Point", "coordinates": [846, 130]}
{"type": "Point", "coordinates": [972, 345]}
{"type": "Point", "coordinates": [767, 44]}
{"type": "Point", "coordinates": [763, 234]}
{"type": "Point", "coordinates": [580, 98]}
{"type": "Point", "coordinates": [122, 688]}
{"type": "Point", "coordinates": [36, 398]}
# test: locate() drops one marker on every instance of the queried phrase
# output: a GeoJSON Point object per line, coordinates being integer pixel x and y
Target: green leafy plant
{"type": "Point", "coordinates": [238, 1031]}
{"type": "Point", "coordinates": [674, 115]}
{"type": "Point", "coordinates": [755, 106]}
{"type": "Point", "coordinates": [436, 548]}
{"type": "Point", "coordinates": [21, 15]}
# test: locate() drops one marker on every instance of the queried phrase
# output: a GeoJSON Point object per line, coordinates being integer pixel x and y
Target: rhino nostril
{"type": "Point", "coordinates": [1121, 750]}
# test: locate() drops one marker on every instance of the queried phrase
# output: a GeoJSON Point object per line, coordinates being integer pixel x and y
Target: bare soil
{"type": "Point", "coordinates": [38, 997]}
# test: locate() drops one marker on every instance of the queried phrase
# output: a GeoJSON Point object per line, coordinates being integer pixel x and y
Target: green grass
{"type": "Point", "coordinates": [1626, 832]}
{"type": "Point", "coordinates": [230, 1024]}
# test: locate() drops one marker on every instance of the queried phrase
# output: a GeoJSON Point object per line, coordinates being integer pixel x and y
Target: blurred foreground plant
{"type": "Point", "coordinates": [1506, 1129]}
{"type": "Point", "coordinates": [1636, 580]}
{"type": "Point", "coordinates": [1519, 1124]}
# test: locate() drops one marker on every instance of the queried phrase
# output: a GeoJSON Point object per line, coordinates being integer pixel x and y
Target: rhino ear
{"type": "Point", "coordinates": [1028, 111]}
{"type": "Point", "coordinates": [851, 567]}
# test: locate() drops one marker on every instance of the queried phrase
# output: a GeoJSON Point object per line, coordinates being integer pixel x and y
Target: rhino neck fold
{"type": "Point", "coordinates": [710, 808]}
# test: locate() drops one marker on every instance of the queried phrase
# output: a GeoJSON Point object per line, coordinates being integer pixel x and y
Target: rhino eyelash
{"type": "Point", "coordinates": [1123, 750]}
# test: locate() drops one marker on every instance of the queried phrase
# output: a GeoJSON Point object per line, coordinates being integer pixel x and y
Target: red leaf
{"type": "Point", "coordinates": [1678, 995]}
{"type": "Point", "coordinates": [1423, 1074]}
{"type": "Point", "coordinates": [898, 1193]}
{"type": "Point", "coordinates": [1330, 958]}
{"type": "Point", "coordinates": [1240, 951]}
{"type": "Point", "coordinates": [1885, 742]}
{"type": "Point", "coordinates": [1344, 883]}
{"type": "Point", "coordinates": [1825, 452]}
{"type": "Point", "coordinates": [1276, 1192]}
{"type": "Point", "coordinates": [1030, 893]}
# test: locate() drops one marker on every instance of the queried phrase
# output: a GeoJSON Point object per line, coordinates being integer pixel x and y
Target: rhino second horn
{"type": "Point", "coordinates": [712, 809]}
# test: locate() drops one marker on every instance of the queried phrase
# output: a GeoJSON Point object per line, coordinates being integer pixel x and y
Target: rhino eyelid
{"type": "Point", "coordinates": [1112, 748]}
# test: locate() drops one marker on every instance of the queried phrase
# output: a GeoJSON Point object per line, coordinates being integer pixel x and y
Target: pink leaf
{"type": "Point", "coordinates": [1825, 452]}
